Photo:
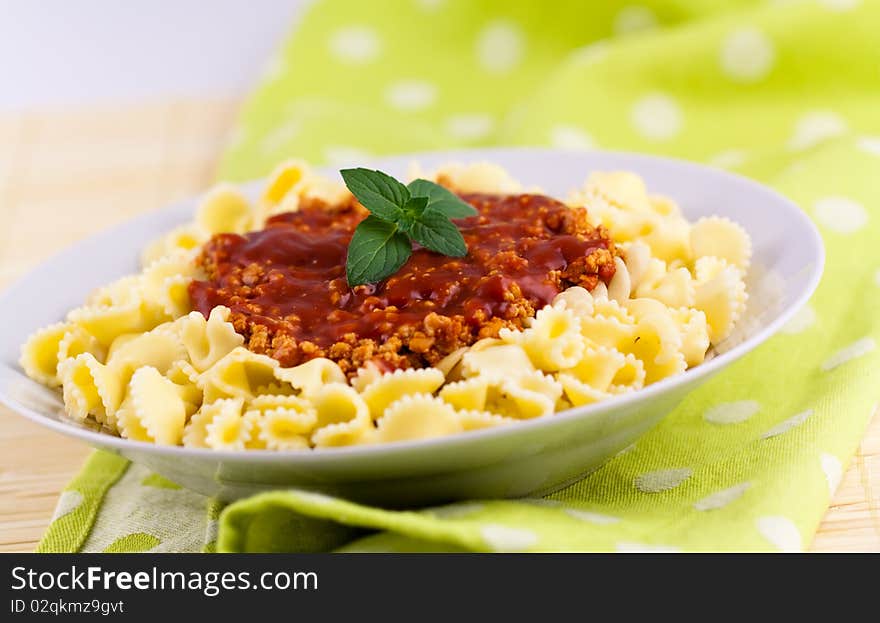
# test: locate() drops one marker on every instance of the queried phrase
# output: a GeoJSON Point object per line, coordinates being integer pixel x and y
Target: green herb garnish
{"type": "Point", "coordinates": [399, 216]}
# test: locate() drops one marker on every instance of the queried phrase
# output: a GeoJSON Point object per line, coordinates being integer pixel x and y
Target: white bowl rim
{"type": "Point", "coordinates": [392, 449]}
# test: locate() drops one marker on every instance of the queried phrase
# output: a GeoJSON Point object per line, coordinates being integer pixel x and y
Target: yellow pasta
{"type": "Point", "coordinates": [195, 434]}
{"type": "Point", "coordinates": [343, 417]}
{"type": "Point", "coordinates": [389, 387]}
{"type": "Point", "coordinates": [138, 360]}
{"type": "Point", "coordinates": [238, 375]}
{"type": "Point", "coordinates": [225, 209]}
{"type": "Point", "coordinates": [39, 354]}
{"type": "Point", "coordinates": [92, 388]}
{"type": "Point", "coordinates": [165, 283]}
{"type": "Point", "coordinates": [208, 341]}
{"type": "Point", "coordinates": [721, 237]}
{"type": "Point", "coordinates": [553, 341]}
{"type": "Point", "coordinates": [419, 416]}
{"type": "Point", "coordinates": [311, 375]}
{"type": "Point", "coordinates": [496, 362]}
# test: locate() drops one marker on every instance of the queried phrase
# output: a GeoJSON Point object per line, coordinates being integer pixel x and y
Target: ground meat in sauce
{"type": "Point", "coordinates": [289, 298]}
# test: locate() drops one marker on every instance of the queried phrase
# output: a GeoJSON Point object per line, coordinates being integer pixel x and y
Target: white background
{"type": "Point", "coordinates": [69, 52]}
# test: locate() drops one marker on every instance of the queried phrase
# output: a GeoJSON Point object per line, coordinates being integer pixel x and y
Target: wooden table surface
{"type": "Point", "coordinates": [66, 174]}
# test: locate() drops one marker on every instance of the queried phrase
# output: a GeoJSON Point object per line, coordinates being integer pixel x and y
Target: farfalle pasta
{"type": "Point", "coordinates": [240, 333]}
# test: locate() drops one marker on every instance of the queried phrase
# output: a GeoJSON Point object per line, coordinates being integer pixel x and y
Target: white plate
{"type": "Point", "coordinates": [531, 457]}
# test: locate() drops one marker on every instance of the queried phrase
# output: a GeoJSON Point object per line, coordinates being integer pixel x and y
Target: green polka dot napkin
{"type": "Point", "coordinates": [785, 92]}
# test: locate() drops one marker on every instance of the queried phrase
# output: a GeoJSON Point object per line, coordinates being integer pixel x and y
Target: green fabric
{"type": "Point", "coordinates": [785, 92]}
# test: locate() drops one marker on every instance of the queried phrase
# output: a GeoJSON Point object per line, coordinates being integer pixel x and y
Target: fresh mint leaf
{"type": "Point", "coordinates": [411, 212]}
{"type": "Point", "coordinates": [377, 250]}
{"type": "Point", "coordinates": [378, 192]}
{"type": "Point", "coordinates": [436, 232]}
{"type": "Point", "coordinates": [441, 199]}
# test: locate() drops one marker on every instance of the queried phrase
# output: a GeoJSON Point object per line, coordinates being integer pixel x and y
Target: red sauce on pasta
{"type": "Point", "coordinates": [287, 291]}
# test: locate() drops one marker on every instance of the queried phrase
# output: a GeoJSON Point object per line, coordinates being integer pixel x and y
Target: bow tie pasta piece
{"type": "Point", "coordinates": [310, 376]}
{"type": "Point", "coordinates": [580, 393]}
{"type": "Point", "coordinates": [282, 422]}
{"type": "Point", "coordinates": [576, 299]}
{"type": "Point", "coordinates": [529, 396]}
{"type": "Point", "coordinates": [154, 408]}
{"type": "Point", "coordinates": [91, 388]}
{"type": "Point", "coordinates": [722, 297]}
{"type": "Point", "coordinates": [183, 238]}
{"type": "Point", "coordinates": [186, 378]}
{"type": "Point", "coordinates": [418, 416]}
{"type": "Point", "coordinates": [478, 420]}
{"type": "Point", "coordinates": [108, 323]}
{"type": "Point", "coordinates": [669, 238]}
{"type": "Point", "coordinates": [208, 341]}
{"type": "Point", "coordinates": [721, 237]}
{"type": "Point", "coordinates": [477, 177]}
{"type": "Point", "coordinates": [166, 282]}
{"type": "Point", "coordinates": [229, 428]}
{"type": "Point", "coordinates": [238, 375]}
{"type": "Point", "coordinates": [468, 395]}
{"type": "Point", "coordinates": [160, 348]}
{"type": "Point", "coordinates": [608, 370]}
{"type": "Point", "coordinates": [119, 292]}
{"type": "Point", "coordinates": [281, 193]}
{"type": "Point", "coordinates": [621, 189]}
{"type": "Point", "coordinates": [343, 417]}
{"type": "Point", "coordinates": [225, 209]}
{"type": "Point", "coordinates": [694, 332]}
{"type": "Point", "coordinates": [389, 387]}
{"type": "Point", "coordinates": [675, 288]}
{"type": "Point", "coordinates": [497, 362]}
{"type": "Point", "coordinates": [40, 353]}
{"type": "Point", "coordinates": [78, 341]}
{"type": "Point", "coordinates": [657, 343]}
{"type": "Point", "coordinates": [553, 340]}
{"type": "Point", "coordinates": [195, 433]}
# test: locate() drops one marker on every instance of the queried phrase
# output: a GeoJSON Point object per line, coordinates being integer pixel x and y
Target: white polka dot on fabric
{"type": "Point", "coordinates": [570, 137]}
{"type": "Point", "coordinates": [430, 5]}
{"type": "Point", "coordinates": [500, 46]}
{"type": "Point", "coordinates": [344, 155]}
{"type": "Point", "coordinates": [411, 95]}
{"type": "Point", "coordinates": [800, 322]}
{"type": "Point", "coordinates": [590, 54]}
{"type": "Point", "coordinates": [662, 480]}
{"type": "Point", "coordinates": [732, 412]}
{"type": "Point", "coordinates": [470, 127]}
{"type": "Point", "coordinates": [355, 45]}
{"type": "Point", "coordinates": [645, 548]}
{"type": "Point", "coordinates": [857, 349]}
{"type": "Point", "coordinates": [68, 502]}
{"type": "Point", "coordinates": [460, 509]}
{"type": "Point", "coordinates": [840, 5]}
{"type": "Point", "coordinates": [633, 19]}
{"type": "Point", "coordinates": [280, 137]}
{"type": "Point", "coordinates": [814, 127]}
{"type": "Point", "coordinates": [781, 533]}
{"type": "Point", "coordinates": [747, 55]}
{"type": "Point", "coordinates": [728, 159]}
{"type": "Point", "coordinates": [505, 539]}
{"type": "Point", "coordinates": [591, 517]}
{"type": "Point", "coordinates": [315, 498]}
{"type": "Point", "coordinates": [722, 498]}
{"type": "Point", "coordinates": [869, 145]}
{"type": "Point", "coordinates": [657, 117]}
{"type": "Point", "coordinates": [788, 424]}
{"type": "Point", "coordinates": [840, 214]}
{"type": "Point", "coordinates": [833, 470]}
